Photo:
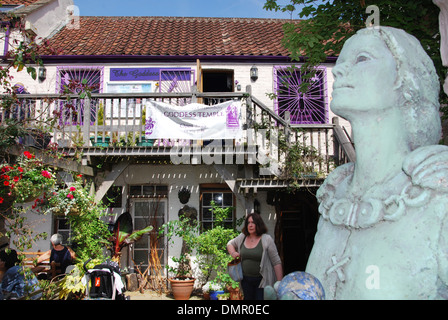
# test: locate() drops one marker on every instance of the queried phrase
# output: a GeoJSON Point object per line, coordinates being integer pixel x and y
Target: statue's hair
{"type": "Point", "coordinates": [418, 81]}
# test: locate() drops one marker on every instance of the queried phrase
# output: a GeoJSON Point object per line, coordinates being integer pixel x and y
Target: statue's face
{"type": "Point", "coordinates": [365, 76]}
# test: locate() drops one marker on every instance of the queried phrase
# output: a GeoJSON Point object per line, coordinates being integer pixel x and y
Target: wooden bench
{"type": "Point", "coordinates": [53, 268]}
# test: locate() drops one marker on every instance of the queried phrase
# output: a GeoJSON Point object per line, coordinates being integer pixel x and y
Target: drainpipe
{"type": "Point", "coordinates": [8, 31]}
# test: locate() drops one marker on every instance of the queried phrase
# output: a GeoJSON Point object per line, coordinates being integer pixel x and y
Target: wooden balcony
{"type": "Point", "coordinates": [112, 126]}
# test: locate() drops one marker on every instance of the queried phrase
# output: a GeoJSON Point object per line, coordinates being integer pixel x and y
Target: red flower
{"type": "Point", "coordinates": [6, 168]}
{"type": "Point", "coordinates": [16, 179]}
{"type": "Point", "coordinates": [20, 169]}
{"type": "Point", "coordinates": [46, 174]}
{"type": "Point", "coordinates": [72, 188]}
{"type": "Point", "coordinates": [6, 183]}
{"type": "Point", "coordinates": [28, 154]}
{"type": "Point", "coordinates": [70, 196]}
{"type": "Point", "coordinates": [1, 200]}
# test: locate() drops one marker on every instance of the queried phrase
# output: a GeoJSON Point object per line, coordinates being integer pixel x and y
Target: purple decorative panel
{"type": "Point", "coordinates": [175, 80]}
{"type": "Point", "coordinates": [75, 80]}
{"type": "Point", "coordinates": [305, 107]}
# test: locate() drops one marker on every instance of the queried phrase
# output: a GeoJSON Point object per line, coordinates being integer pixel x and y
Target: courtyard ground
{"type": "Point", "coordinates": [152, 295]}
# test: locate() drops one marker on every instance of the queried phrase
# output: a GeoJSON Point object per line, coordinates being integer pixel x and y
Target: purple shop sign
{"type": "Point", "coordinates": [149, 74]}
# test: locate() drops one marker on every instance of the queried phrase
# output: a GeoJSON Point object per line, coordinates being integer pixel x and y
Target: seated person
{"type": "Point", "coordinates": [60, 254]}
{"type": "Point", "coordinates": [17, 280]}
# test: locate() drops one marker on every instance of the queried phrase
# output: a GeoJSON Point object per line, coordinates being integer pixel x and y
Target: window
{"type": "Point", "coordinates": [62, 226]}
{"type": "Point", "coordinates": [75, 80]}
{"type": "Point", "coordinates": [223, 198]}
{"type": "Point", "coordinates": [148, 191]}
{"type": "Point", "coordinates": [304, 107]}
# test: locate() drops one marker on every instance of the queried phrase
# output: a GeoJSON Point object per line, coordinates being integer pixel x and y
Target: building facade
{"type": "Point", "coordinates": [129, 61]}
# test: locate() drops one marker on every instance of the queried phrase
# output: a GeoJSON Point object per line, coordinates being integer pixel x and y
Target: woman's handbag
{"type": "Point", "coordinates": [235, 270]}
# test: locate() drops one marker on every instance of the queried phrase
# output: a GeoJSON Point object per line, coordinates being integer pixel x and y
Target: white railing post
{"type": "Point", "coordinates": [86, 122]}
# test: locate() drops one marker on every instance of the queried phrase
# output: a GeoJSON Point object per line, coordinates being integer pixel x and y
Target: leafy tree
{"type": "Point", "coordinates": [327, 24]}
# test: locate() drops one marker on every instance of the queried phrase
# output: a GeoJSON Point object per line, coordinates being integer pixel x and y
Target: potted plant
{"type": "Point", "coordinates": [223, 296]}
{"type": "Point", "coordinates": [101, 140]}
{"type": "Point", "coordinates": [182, 282]}
{"type": "Point", "coordinates": [216, 289]}
{"type": "Point", "coordinates": [98, 141]}
{"type": "Point", "coordinates": [232, 287]}
{"type": "Point", "coordinates": [206, 290]}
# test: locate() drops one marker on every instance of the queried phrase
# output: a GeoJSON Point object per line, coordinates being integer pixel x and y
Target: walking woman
{"type": "Point", "coordinates": [259, 257]}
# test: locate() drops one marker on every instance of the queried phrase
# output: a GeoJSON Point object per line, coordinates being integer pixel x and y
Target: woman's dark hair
{"type": "Point", "coordinates": [10, 258]}
{"type": "Point", "coordinates": [260, 227]}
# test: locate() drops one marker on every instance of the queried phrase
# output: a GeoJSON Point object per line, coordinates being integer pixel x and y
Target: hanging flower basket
{"type": "Point", "coordinates": [62, 212]}
{"type": "Point", "coordinates": [25, 180]}
{"type": "Point", "coordinates": [33, 195]}
{"type": "Point", "coordinates": [72, 200]}
{"type": "Point", "coordinates": [36, 138]}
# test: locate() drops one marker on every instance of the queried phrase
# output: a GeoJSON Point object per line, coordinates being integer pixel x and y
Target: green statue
{"type": "Point", "coordinates": [383, 230]}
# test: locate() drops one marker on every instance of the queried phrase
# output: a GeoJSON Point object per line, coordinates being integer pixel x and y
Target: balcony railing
{"type": "Point", "coordinates": [108, 123]}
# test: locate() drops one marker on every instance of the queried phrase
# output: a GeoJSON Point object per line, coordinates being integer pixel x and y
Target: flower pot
{"type": "Point", "coordinates": [145, 142]}
{"type": "Point", "coordinates": [182, 288]}
{"type": "Point", "coordinates": [235, 294]}
{"type": "Point", "coordinates": [61, 212]}
{"type": "Point", "coordinates": [99, 141]}
{"type": "Point", "coordinates": [214, 294]}
{"type": "Point", "coordinates": [36, 193]}
{"type": "Point", "coordinates": [36, 139]}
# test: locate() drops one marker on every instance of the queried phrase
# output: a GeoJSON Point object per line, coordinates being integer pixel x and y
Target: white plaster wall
{"type": "Point", "coordinates": [39, 223]}
{"type": "Point", "coordinates": [191, 177]}
{"type": "Point", "coordinates": [50, 18]}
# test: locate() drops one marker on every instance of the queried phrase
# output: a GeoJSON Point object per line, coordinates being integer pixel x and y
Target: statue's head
{"type": "Point", "coordinates": [383, 68]}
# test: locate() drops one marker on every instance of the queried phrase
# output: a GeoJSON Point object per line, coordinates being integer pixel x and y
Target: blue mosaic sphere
{"type": "Point", "coordinates": [300, 285]}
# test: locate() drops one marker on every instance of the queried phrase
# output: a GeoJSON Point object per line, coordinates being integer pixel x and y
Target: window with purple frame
{"type": "Point", "coordinates": [307, 106]}
{"type": "Point", "coordinates": [75, 80]}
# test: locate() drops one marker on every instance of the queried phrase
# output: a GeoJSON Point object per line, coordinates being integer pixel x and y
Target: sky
{"type": "Point", "coordinates": [179, 8]}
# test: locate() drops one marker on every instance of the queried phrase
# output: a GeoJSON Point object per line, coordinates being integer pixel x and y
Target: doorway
{"type": "Point", "coordinates": [145, 212]}
{"type": "Point", "coordinates": [217, 81]}
{"type": "Point", "coordinates": [296, 226]}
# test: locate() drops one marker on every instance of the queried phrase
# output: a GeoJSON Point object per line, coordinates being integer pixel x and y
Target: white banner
{"type": "Point", "coordinates": [194, 121]}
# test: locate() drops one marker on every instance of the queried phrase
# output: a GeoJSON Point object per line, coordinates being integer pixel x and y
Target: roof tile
{"type": "Point", "coordinates": [170, 36]}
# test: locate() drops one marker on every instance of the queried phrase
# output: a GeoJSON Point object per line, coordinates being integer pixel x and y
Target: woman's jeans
{"type": "Point", "coordinates": [250, 288]}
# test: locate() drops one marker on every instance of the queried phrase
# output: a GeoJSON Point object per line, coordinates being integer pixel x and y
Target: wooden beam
{"type": "Point", "coordinates": [117, 170]}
